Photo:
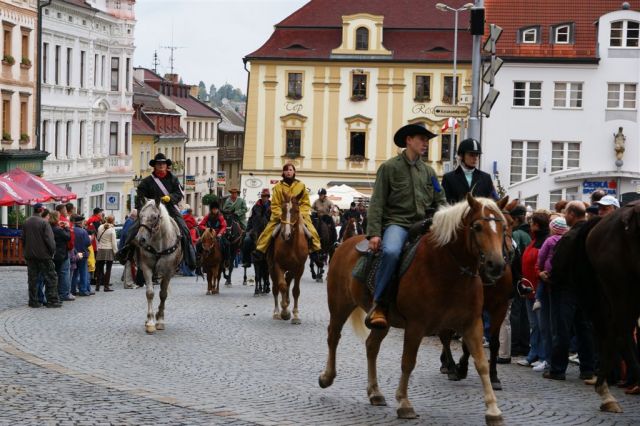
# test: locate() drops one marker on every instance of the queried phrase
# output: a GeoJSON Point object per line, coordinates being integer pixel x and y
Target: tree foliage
{"type": "Point", "coordinates": [227, 91]}
{"type": "Point", "coordinates": [202, 92]}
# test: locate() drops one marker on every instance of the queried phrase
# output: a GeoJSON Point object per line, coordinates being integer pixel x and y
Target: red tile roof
{"type": "Point", "coordinates": [414, 31]}
{"type": "Point", "coordinates": [194, 107]}
{"type": "Point", "coordinates": [141, 127]}
{"type": "Point", "coordinates": [513, 15]}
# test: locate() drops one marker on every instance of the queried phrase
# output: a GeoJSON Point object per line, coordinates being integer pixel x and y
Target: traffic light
{"type": "Point", "coordinates": [490, 73]}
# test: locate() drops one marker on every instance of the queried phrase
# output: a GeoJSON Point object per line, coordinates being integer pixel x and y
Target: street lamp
{"type": "Point", "coordinates": [132, 196]}
{"type": "Point", "coordinates": [136, 181]}
{"type": "Point", "coordinates": [445, 8]}
{"type": "Point", "coordinates": [211, 181]}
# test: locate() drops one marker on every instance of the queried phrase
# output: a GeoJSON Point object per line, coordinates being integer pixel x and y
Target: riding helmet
{"type": "Point", "coordinates": [469, 145]}
{"type": "Point", "coordinates": [322, 191]}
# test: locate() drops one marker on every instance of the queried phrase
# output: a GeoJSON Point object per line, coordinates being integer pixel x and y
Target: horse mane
{"type": "Point", "coordinates": [165, 219]}
{"type": "Point", "coordinates": [448, 220]}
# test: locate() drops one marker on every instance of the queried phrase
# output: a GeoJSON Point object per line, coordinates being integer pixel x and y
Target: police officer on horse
{"type": "Point", "coordinates": [162, 185]}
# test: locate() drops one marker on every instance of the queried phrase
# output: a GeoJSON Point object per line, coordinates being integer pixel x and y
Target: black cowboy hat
{"type": "Point", "coordinates": [160, 158]}
{"type": "Point", "coordinates": [400, 138]}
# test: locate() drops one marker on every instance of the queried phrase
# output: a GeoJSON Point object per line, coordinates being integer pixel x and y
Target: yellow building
{"type": "Point", "coordinates": [331, 86]}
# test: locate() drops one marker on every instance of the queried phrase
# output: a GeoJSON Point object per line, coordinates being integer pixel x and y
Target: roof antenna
{"type": "Point", "coordinates": [172, 48]}
{"type": "Point", "coordinates": [155, 62]}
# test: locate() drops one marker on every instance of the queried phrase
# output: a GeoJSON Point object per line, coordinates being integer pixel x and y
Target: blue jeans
{"type": "Point", "coordinates": [64, 280]}
{"type": "Point", "coordinates": [540, 290]}
{"type": "Point", "coordinates": [544, 324]}
{"type": "Point", "coordinates": [534, 333]}
{"type": "Point", "coordinates": [80, 279]}
{"type": "Point", "coordinates": [393, 239]}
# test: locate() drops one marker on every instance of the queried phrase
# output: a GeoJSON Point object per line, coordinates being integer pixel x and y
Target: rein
{"type": "Point", "coordinates": [149, 248]}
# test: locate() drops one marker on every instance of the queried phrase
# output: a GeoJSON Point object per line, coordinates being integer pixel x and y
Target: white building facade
{"type": "Point", "coordinates": [552, 132]}
{"type": "Point", "coordinates": [87, 100]}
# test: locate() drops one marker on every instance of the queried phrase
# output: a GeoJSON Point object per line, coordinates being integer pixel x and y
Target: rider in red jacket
{"type": "Point", "coordinates": [214, 220]}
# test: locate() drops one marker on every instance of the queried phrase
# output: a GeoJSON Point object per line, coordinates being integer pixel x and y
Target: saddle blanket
{"type": "Point", "coordinates": [368, 264]}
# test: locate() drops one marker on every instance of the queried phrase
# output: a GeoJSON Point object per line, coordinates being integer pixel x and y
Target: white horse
{"type": "Point", "coordinates": [158, 253]}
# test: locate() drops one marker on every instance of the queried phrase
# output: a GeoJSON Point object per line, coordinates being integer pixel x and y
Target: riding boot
{"type": "Point", "coordinates": [377, 317]}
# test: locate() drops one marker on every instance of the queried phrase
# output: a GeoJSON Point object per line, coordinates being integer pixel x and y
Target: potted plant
{"type": "Point", "coordinates": [26, 63]}
{"type": "Point", "coordinates": [357, 98]}
{"type": "Point", "coordinates": [24, 138]}
{"type": "Point", "coordinates": [8, 60]}
{"type": "Point", "coordinates": [6, 137]}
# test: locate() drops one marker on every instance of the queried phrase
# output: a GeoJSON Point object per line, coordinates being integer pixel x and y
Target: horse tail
{"type": "Point", "coordinates": [357, 323]}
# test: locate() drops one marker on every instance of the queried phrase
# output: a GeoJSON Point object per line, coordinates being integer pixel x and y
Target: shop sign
{"type": "Point", "coordinates": [222, 178]}
{"type": "Point", "coordinates": [609, 186]}
{"type": "Point", "coordinates": [97, 187]}
{"type": "Point", "coordinates": [190, 183]}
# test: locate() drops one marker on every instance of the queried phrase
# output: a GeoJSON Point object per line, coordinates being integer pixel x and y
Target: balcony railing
{"type": "Point", "coordinates": [117, 164]}
{"type": "Point", "coordinates": [230, 153]}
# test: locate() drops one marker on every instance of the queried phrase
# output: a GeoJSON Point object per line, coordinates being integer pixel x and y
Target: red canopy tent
{"type": "Point", "coordinates": [12, 193]}
{"type": "Point", "coordinates": [43, 188]}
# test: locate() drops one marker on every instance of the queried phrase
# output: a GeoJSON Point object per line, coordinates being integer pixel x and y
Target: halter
{"type": "Point", "coordinates": [152, 229]}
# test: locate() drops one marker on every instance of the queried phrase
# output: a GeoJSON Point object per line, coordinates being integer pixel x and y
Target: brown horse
{"type": "Point", "coordinates": [441, 290]}
{"type": "Point", "coordinates": [351, 229]}
{"type": "Point", "coordinates": [496, 295]}
{"type": "Point", "coordinates": [211, 260]}
{"type": "Point", "coordinates": [286, 258]}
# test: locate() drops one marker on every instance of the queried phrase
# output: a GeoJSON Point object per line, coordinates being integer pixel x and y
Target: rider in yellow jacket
{"type": "Point", "coordinates": [290, 185]}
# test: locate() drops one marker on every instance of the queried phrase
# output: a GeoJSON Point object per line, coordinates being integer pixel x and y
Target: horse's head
{"type": "Point", "coordinates": [150, 215]}
{"type": "Point", "coordinates": [290, 215]}
{"type": "Point", "coordinates": [208, 240]}
{"type": "Point", "coordinates": [486, 234]}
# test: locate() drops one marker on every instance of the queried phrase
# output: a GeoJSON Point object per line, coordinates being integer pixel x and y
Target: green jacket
{"type": "Point", "coordinates": [401, 194]}
{"type": "Point", "coordinates": [238, 207]}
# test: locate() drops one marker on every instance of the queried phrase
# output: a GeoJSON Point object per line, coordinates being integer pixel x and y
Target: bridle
{"type": "Point", "coordinates": [290, 222]}
{"type": "Point", "coordinates": [149, 248]}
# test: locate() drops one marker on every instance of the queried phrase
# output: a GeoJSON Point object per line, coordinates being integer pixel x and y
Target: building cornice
{"type": "Point", "coordinates": [591, 175]}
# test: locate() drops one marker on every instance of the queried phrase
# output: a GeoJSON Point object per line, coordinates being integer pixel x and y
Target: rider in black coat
{"type": "Point", "coordinates": [149, 189]}
{"type": "Point", "coordinates": [467, 177]}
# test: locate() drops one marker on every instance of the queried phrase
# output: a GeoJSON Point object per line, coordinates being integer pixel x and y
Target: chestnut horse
{"type": "Point", "coordinates": [211, 260]}
{"type": "Point", "coordinates": [497, 295]}
{"type": "Point", "coordinates": [441, 290]}
{"type": "Point", "coordinates": [351, 229]}
{"type": "Point", "coordinates": [286, 258]}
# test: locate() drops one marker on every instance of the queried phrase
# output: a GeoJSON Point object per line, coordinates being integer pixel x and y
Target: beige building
{"type": "Point", "coordinates": [329, 89]}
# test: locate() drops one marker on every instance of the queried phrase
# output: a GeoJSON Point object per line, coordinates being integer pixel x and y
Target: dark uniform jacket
{"type": "Point", "coordinates": [456, 187]}
{"type": "Point", "coordinates": [148, 188]}
{"type": "Point", "coordinates": [37, 235]}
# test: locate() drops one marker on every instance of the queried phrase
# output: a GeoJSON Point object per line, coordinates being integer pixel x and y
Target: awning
{"type": "Point", "coordinates": [41, 187]}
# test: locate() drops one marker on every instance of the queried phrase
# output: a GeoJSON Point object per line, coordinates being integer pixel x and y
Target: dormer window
{"type": "Point", "coordinates": [529, 36]}
{"type": "Point", "coordinates": [562, 34]}
{"type": "Point", "coordinates": [362, 39]}
{"type": "Point", "coordinates": [624, 33]}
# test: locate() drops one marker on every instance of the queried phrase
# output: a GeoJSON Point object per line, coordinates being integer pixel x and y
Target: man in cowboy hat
{"type": "Point", "coordinates": [236, 206]}
{"type": "Point", "coordinates": [467, 177]}
{"type": "Point", "coordinates": [163, 185]}
{"type": "Point", "coordinates": [262, 208]}
{"type": "Point", "coordinates": [405, 189]}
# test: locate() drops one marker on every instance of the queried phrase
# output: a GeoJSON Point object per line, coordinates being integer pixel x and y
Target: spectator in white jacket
{"type": "Point", "coordinates": [107, 247]}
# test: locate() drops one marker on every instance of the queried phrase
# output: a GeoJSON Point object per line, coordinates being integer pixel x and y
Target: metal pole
{"type": "Point", "coordinates": [455, 86]}
{"type": "Point", "coordinates": [476, 74]}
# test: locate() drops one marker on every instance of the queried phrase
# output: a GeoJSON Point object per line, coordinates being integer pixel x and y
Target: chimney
{"type": "Point", "coordinates": [173, 78]}
{"type": "Point", "coordinates": [193, 91]}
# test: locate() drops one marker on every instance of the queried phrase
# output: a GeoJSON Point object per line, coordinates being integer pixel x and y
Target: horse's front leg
{"type": "Point", "coordinates": [296, 293]}
{"type": "Point", "coordinates": [412, 337]}
{"type": "Point", "coordinates": [473, 340]}
{"type": "Point", "coordinates": [373, 348]}
{"type": "Point", "coordinates": [277, 277]}
{"type": "Point", "coordinates": [164, 290]}
{"type": "Point", "coordinates": [244, 280]}
{"type": "Point", "coordinates": [149, 325]}
{"type": "Point", "coordinates": [283, 287]}
{"type": "Point", "coordinates": [447, 364]}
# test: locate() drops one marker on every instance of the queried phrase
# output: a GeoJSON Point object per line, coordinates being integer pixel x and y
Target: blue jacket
{"type": "Point", "coordinates": [82, 241]}
{"type": "Point", "coordinates": [125, 230]}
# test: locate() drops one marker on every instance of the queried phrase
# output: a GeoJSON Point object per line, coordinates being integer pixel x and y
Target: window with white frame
{"type": "Point", "coordinates": [524, 160]}
{"type": "Point", "coordinates": [621, 95]}
{"type": "Point", "coordinates": [624, 34]}
{"type": "Point", "coordinates": [565, 155]}
{"type": "Point", "coordinates": [529, 36]}
{"type": "Point", "coordinates": [532, 202]}
{"type": "Point", "coordinates": [527, 93]}
{"type": "Point", "coordinates": [568, 194]}
{"type": "Point", "coordinates": [562, 34]}
{"type": "Point", "coordinates": [567, 95]}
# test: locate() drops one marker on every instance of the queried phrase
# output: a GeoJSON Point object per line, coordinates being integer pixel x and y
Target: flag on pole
{"type": "Point", "coordinates": [451, 122]}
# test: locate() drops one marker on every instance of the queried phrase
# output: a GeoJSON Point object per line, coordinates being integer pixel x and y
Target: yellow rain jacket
{"type": "Point", "coordinates": [277, 198]}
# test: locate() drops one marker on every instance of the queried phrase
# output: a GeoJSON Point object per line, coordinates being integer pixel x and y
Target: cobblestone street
{"type": "Point", "coordinates": [223, 360]}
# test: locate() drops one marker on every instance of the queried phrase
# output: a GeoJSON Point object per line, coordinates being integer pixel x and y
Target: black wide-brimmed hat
{"type": "Point", "coordinates": [400, 138]}
{"type": "Point", "coordinates": [159, 158]}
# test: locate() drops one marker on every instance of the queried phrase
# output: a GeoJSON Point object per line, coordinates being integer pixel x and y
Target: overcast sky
{"type": "Point", "coordinates": [215, 35]}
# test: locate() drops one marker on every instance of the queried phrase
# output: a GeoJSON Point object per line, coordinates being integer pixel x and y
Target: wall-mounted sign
{"type": "Point", "coordinates": [222, 178]}
{"type": "Point", "coordinates": [190, 183]}
{"type": "Point", "coordinates": [112, 201]}
{"type": "Point", "coordinates": [609, 186]}
{"type": "Point", "coordinates": [253, 182]}
{"type": "Point", "coordinates": [293, 107]}
{"type": "Point", "coordinates": [97, 187]}
{"type": "Point", "coordinates": [450, 111]}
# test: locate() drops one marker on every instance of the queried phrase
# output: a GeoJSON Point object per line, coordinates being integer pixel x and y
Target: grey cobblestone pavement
{"type": "Point", "coordinates": [223, 360]}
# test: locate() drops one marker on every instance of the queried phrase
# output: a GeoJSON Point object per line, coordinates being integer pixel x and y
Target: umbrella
{"type": "Point", "coordinates": [43, 188]}
{"type": "Point", "coordinates": [12, 193]}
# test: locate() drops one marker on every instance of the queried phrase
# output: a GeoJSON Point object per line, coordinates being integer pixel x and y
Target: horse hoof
{"type": "Point", "coordinates": [611, 407]}
{"type": "Point", "coordinates": [324, 381]}
{"type": "Point", "coordinates": [296, 321]}
{"type": "Point", "coordinates": [407, 413]}
{"type": "Point", "coordinates": [208, 292]}
{"type": "Point", "coordinates": [319, 280]}
{"type": "Point", "coordinates": [496, 385]}
{"type": "Point", "coordinates": [150, 329]}
{"type": "Point", "coordinates": [444, 369]}
{"type": "Point", "coordinates": [285, 316]}
{"type": "Point", "coordinates": [378, 400]}
{"type": "Point", "coordinates": [453, 377]}
{"type": "Point", "coordinates": [493, 420]}
{"type": "Point", "coordinates": [276, 316]}
{"type": "Point", "coordinates": [159, 326]}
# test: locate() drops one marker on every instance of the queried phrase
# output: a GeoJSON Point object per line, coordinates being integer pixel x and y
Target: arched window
{"type": "Point", "coordinates": [625, 34]}
{"type": "Point", "coordinates": [362, 39]}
